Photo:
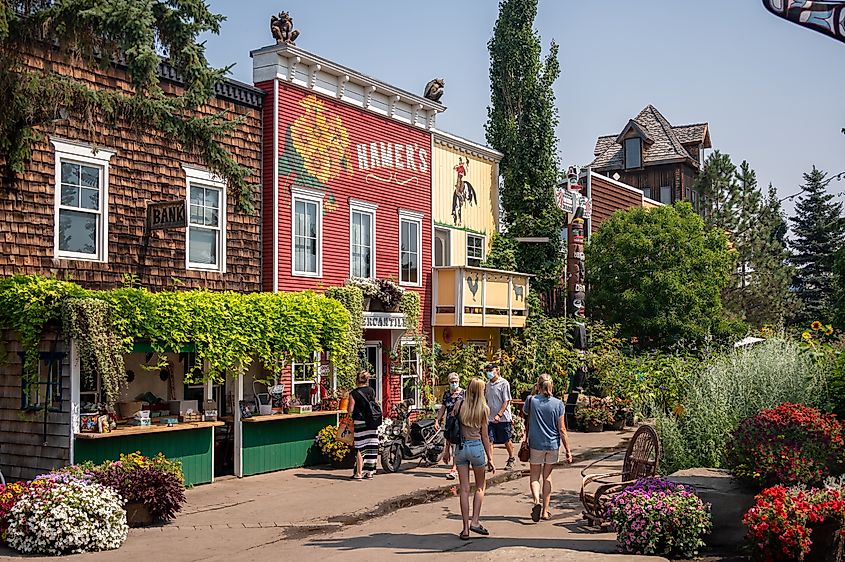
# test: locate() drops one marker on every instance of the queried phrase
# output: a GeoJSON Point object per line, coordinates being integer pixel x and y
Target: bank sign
{"type": "Point", "coordinates": [166, 214]}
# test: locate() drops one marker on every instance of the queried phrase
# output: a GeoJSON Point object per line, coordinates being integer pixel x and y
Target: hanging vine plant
{"type": "Point", "coordinates": [87, 322]}
{"type": "Point", "coordinates": [347, 362]}
{"type": "Point", "coordinates": [227, 330]}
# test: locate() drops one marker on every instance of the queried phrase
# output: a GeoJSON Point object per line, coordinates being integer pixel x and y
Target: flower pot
{"type": "Point", "coordinates": [594, 427]}
{"type": "Point", "coordinates": [347, 462]}
{"type": "Point", "coordinates": [828, 543]}
{"type": "Point", "coordinates": [617, 425]}
{"type": "Point", "coordinates": [137, 515]}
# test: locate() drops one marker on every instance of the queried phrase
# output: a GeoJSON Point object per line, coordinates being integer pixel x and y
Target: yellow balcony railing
{"type": "Point", "coordinates": [476, 296]}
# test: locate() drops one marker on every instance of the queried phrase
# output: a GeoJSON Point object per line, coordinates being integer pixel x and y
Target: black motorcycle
{"type": "Point", "coordinates": [403, 441]}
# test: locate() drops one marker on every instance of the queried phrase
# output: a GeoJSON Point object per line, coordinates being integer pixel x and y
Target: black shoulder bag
{"type": "Point", "coordinates": [453, 427]}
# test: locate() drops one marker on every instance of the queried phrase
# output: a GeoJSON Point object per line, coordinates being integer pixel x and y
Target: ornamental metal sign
{"type": "Point", "coordinates": [167, 214]}
{"type": "Point", "coordinates": [384, 320]}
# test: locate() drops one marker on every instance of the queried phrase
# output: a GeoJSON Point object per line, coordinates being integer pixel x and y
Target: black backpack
{"type": "Point", "coordinates": [371, 411]}
{"type": "Point", "coordinates": [453, 429]}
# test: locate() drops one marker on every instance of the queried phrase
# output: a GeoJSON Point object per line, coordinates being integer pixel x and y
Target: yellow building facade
{"type": "Point", "coordinates": [471, 303]}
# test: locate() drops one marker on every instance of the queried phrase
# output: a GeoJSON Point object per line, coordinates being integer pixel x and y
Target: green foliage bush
{"type": "Point", "coordinates": [463, 358]}
{"type": "Point", "coordinates": [352, 299]}
{"type": "Point", "coordinates": [730, 387]}
{"type": "Point", "coordinates": [659, 274]}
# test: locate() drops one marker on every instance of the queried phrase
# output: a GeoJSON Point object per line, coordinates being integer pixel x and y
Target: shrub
{"type": "Point", "coordinates": [790, 444]}
{"type": "Point", "coordinates": [730, 387]}
{"type": "Point", "coordinates": [656, 516]}
{"type": "Point", "coordinates": [160, 492]}
{"type": "Point", "coordinates": [593, 415]}
{"type": "Point", "coordinates": [55, 517]}
{"type": "Point", "coordinates": [780, 523]}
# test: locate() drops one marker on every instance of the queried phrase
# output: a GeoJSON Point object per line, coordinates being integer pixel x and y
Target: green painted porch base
{"type": "Point", "coordinates": [285, 443]}
{"type": "Point", "coordinates": [191, 446]}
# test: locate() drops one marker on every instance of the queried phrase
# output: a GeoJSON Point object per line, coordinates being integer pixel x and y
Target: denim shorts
{"type": "Point", "coordinates": [471, 454]}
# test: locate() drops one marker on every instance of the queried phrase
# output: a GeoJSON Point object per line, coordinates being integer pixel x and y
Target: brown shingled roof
{"type": "Point", "coordinates": [668, 141]}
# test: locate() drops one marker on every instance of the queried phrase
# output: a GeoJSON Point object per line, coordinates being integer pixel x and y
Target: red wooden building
{"type": "Point", "coordinates": [347, 178]}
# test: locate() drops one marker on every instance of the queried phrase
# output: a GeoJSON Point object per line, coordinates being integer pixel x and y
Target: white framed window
{"type": "Point", "coordinates": [304, 377]}
{"type": "Point", "coordinates": [475, 250]}
{"type": "Point", "coordinates": [362, 235]}
{"type": "Point", "coordinates": [633, 153]}
{"type": "Point", "coordinates": [205, 246]}
{"type": "Point", "coordinates": [410, 248]}
{"type": "Point", "coordinates": [409, 355]}
{"type": "Point", "coordinates": [307, 232]}
{"type": "Point", "coordinates": [81, 219]}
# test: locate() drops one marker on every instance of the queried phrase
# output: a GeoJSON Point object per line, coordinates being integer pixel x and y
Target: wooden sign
{"type": "Point", "coordinates": [167, 214]}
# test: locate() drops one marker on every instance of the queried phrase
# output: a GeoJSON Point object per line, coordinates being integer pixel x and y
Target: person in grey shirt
{"type": "Point", "coordinates": [498, 395]}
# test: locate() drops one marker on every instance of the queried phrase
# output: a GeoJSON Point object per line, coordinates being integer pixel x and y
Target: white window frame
{"type": "Point", "coordinates": [315, 363]}
{"type": "Point", "coordinates": [365, 208]}
{"type": "Point", "coordinates": [403, 343]}
{"type": "Point", "coordinates": [483, 248]}
{"type": "Point", "coordinates": [82, 154]}
{"type": "Point", "coordinates": [203, 178]}
{"type": "Point", "coordinates": [306, 196]}
{"type": "Point", "coordinates": [415, 218]}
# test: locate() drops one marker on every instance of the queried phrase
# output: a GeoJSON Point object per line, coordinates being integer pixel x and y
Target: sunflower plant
{"type": "Point", "coordinates": [330, 446]}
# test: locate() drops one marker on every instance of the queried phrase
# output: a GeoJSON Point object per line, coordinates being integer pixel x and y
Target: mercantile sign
{"type": "Point", "coordinates": [384, 320]}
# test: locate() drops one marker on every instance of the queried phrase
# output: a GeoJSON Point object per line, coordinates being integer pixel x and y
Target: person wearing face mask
{"type": "Point", "coordinates": [498, 395]}
{"type": "Point", "coordinates": [452, 395]}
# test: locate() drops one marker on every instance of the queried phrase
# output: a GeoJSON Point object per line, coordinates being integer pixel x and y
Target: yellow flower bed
{"type": "Point", "coordinates": [330, 446]}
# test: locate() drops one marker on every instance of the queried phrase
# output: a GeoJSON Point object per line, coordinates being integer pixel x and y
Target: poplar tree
{"type": "Point", "coordinates": [818, 232]}
{"type": "Point", "coordinates": [521, 124]}
{"type": "Point", "coordinates": [137, 34]}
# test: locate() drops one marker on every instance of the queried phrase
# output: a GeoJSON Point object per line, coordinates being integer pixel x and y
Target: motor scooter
{"type": "Point", "coordinates": [402, 440]}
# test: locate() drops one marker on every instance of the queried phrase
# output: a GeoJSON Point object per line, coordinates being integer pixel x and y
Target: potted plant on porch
{"type": "Point", "coordinates": [593, 418]}
{"type": "Point", "coordinates": [338, 453]}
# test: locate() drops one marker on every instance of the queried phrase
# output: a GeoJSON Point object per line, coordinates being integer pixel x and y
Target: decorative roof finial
{"type": "Point", "coordinates": [434, 89]}
{"type": "Point", "coordinates": [281, 26]}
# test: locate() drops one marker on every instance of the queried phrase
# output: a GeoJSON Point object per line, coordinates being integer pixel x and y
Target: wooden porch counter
{"type": "Point", "coordinates": [190, 443]}
{"type": "Point", "coordinates": [157, 428]}
{"type": "Point", "coordinates": [277, 417]}
{"type": "Point", "coordinates": [287, 443]}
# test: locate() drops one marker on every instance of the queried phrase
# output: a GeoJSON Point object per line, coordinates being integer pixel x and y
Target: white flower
{"type": "Point", "coordinates": [67, 518]}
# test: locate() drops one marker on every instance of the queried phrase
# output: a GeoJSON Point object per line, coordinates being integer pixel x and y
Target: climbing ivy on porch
{"type": "Point", "coordinates": [228, 330]}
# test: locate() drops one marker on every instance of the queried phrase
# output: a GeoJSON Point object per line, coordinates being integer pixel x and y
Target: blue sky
{"type": "Point", "coordinates": [771, 91]}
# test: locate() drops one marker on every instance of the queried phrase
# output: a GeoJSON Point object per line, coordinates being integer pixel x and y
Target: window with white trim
{"type": "Point", "coordinates": [362, 235]}
{"type": "Point", "coordinates": [205, 232]}
{"type": "Point", "coordinates": [475, 250]}
{"type": "Point", "coordinates": [409, 355]}
{"type": "Point", "coordinates": [307, 232]}
{"type": "Point", "coordinates": [304, 377]}
{"type": "Point", "coordinates": [410, 248]}
{"type": "Point", "coordinates": [81, 203]}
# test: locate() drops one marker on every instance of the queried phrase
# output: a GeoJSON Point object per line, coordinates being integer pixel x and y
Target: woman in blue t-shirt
{"type": "Point", "coordinates": [546, 431]}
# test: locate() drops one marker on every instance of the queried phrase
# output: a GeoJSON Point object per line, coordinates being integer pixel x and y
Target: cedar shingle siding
{"type": "Point", "coordinates": [146, 167]}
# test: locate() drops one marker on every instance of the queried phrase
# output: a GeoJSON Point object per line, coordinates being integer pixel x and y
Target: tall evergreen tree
{"type": "Point", "coordinates": [733, 202]}
{"type": "Point", "coordinates": [717, 185]}
{"type": "Point", "coordinates": [819, 231]}
{"type": "Point", "coordinates": [521, 125]}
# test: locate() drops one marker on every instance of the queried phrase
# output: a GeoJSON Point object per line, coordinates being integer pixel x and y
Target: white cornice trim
{"type": "Point", "coordinates": [616, 183]}
{"type": "Point", "coordinates": [294, 65]}
{"type": "Point", "coordinates": [466, 145]}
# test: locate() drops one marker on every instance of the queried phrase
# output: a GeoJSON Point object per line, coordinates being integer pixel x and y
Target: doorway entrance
{"type": "Point", "coordinates": [442, 248]}
{"type": "Point", "coordinates": [371, 360]}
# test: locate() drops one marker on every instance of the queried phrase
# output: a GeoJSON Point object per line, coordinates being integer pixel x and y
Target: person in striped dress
{"type": "Point", "coordinates": [366, 440]}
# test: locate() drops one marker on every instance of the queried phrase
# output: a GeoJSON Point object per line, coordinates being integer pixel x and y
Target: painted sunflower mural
{"type": "Point", "coordinates": [315, 150]}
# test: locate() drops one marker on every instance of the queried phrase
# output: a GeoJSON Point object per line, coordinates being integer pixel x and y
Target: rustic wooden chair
{"type": "Point", "coordinates": [641, 461]}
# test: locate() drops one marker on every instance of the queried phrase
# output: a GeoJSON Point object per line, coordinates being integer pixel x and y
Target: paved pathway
{"type": "Point", "coordinates": [324, 515]}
